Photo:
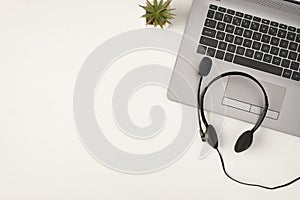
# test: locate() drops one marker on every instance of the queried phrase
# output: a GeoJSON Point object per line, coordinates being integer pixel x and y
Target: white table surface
{"type": "Point", "coordinates": [43, 44]}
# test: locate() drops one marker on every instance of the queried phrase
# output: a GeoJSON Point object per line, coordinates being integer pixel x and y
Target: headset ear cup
{"type": "Point", "coordinates": [244, 142]}
{"type": "Point", "coordinates": [212, 138]}
{"type": "Point", "coordinates": [205, 66]}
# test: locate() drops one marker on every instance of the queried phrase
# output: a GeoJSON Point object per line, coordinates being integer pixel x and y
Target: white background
{"type": "Point", "coordinates": [42, 47]}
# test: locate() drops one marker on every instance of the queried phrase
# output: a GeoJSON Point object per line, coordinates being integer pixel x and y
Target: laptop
{"type": "Point", "coordinates": [259, 37]}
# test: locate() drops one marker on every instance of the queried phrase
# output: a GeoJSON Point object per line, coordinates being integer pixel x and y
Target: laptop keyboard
{"type": "Point", "coordinates": [252, 42]}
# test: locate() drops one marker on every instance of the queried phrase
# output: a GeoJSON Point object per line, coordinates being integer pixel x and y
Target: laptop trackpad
{"type": "Point", "coordinates": [244, 94]}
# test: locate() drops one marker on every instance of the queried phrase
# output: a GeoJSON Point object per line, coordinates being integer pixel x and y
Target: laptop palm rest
{"type": "Point", "coordinates": [244, 94]}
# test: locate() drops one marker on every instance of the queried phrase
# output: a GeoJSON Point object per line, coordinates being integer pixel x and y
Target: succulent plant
{"type": "Point", "coordinates": [158, 14]}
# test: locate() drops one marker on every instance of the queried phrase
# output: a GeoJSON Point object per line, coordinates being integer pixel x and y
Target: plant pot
{"type": "Point", "coordinates": [158, 27]}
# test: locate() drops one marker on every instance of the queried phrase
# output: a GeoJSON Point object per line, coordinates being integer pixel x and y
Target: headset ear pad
{"type": "Point", "coordinates": [244, 142]}
{"type": "Point", "coordinates": [205, 66]}
{"type": "Point", "coordinates": [212, 138]}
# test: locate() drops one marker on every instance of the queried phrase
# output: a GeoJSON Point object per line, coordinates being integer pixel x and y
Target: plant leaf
{"type": "Point", "coordinates": [143, 7]}
{"type": "Point", "coordinates": [167, 3]}
{"type": "Point", "coordinates": [160, 3]}
{"type": "Point", "coordinates": [155, 4]}
{"type": "Point", "coordinates": [168, 22]}
{"type": "Point", "coordinates": [149, 4]}
{"type": "Point", "coordinates": [147, 15]}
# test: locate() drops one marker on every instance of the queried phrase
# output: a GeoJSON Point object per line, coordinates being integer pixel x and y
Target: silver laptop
{"type": "Point", "coordinates": [259, 37]}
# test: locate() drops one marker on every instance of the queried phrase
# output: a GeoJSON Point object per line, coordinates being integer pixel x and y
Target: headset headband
{"type": "Point", "coordinates": [235, 73]}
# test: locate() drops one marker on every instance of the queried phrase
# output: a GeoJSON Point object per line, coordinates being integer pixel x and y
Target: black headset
{"type": "Point", "coordinates": [210, 135]}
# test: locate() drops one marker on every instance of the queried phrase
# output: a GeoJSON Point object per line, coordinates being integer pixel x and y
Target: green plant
{"type": "Point", "coordinates": [158, 14]}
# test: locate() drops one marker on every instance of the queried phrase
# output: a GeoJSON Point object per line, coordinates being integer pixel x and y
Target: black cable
{"type": "Point", "coordinates": [250, 184]}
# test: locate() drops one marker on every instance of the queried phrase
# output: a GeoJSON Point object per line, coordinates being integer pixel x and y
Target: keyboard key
{"type": "Point", "coordinates": [298, 38]}
{"type": "Point", "coordinates": [201, 49]}
{"type": "Point", "coordinates": [276, 60]}
{"type": "Point", "coordinates": [266, 38]}
{"type": "Point", "coordinates": [228, 18]}
{"type": "Point", "coordinates": [248, 33]}
{"type": "Point", "coordinates": [285, 63]}
{"type": "Point", "coordinates": [229, 28]}
{"type": "Point", "coordinates": [263, 28]}
{"type": "Point", "coordinates": [274, 50]}
{"type": "Point", "coordinates": [222, 45]}
{"type": "Point", "coordinates": [282, 33]}
{"type": "Point", "coordinates": [283, 26]}
{"type": "Point", "coordinates": [220, 35]}
{"type": "Point", "coordinates": [240, 50]}
{"type": "Point", "coordinates": [265, 21]}
{"type": "Point", "coordinates": [239, 31]}
{"type": "Point", "coordinates": [256, 45]}
{"type": "Point", "coordinates": [210, 14]}
{"type": "Point", "coordinates": [267, 58]}
{"type": "Point", "coordinates": [295, 66]}
{"type": "Point", "coordinates": [229, 57]}
{"type": "Point", "coordinates": [232, 12]}
{"type": "Point", "coordinates": [220, 54]}
{"type": "Point", "coordinates": [239, 14]}
{"type": "Point", "coordinates": [287, 73]}
{"type": "Point", "coordinates": [265, 48]}
{"type": "Point", "coordinates": [291, 28]}
{"type": "Point", "coordinates": [291, 36]}
{"type": "Point", "coordinates": [249, 53]}
{"type": "Point", "coordinates": [284, 43]}
{"type": "Point", "coordinates": [283, 53]}
{"type": "Point", "coordinates": [257, 36]}
{"type": "Point", "coordinates": [246, 16]}
{"type": "Point", "coordinates": [237, 21]}
{"type": "Point", "coordinates": [274, 24]}
{"type": "Point", "coordinates": [275, 41]}
{"type": "Point", "coordinates": [273, 31]}
{"type": "Point", "coordinates": [298, 58]}
{"type": "Point", "coordinates": [210, 23]}
{"type": "Point", "coordinates": [209, 32]}
{"type": "Point", "coordinates": [256, 19]}
{"type": "Point", "coordinates": [293, 55]}
{"type": "Point", "coordinates": [208, 41]}
{"type": "Point", "coordinates": [211, 52]}
{"type": "Point", "coordinates": [247, 43]}
{"type": "Point", "coordinates": [231, 48]}
{"type": "Point", "coordinates": [258, 55]}
{"type": "Point", "coordinates": [238, 40]}
{"type": "Point", "coordinates": [245, 23]}
{"type": "Point", "coordinates": [214, 7]}
{"type": "Point", "coordinates": [254, 26]}
{"type": "Point", "coordinates": [229, 38]}
{"type": "Point", "coordinates": [293, 46]}
{"type": "Point", "coordinates": [296, 76]}
{"type": "Point", "coordinates": [221, 9]}
{"type": "Point", "coordinates": [221, 26]}
{"type": "Point", "coordinates": [258, 65]}
{"type": "Point", "coordinates": [219, 16]}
